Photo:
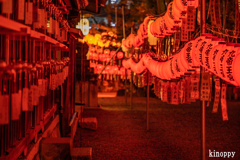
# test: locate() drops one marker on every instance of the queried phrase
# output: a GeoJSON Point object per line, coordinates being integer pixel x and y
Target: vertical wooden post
{"type": "Point", "coordinates": [147, 100]}
{"type": "Point", "coordinates": [131, 90]}
{"type": "Point", "coordinates": [202, 5]}
{"type": "Point", "coordinates": [124, 36]}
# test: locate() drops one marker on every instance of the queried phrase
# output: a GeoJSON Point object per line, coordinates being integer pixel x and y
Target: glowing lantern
{"type": "Point", "coordinates": [91, 55]}
{"type": "Point", "coordinates": [95, 56]}
{"type": "Point", "coordinates": [220, 59]}
{"type": "Point", "coordinates": [112, 53]}
{"type": "Point", "coordinates": [179, 66]}
{"type": "Point", "coordinates": [98, 37]}
{"type": "Point", "coordinates": [159, 70]}
{"type": "Point", "coordinates": [153, 30]}
{"type": "Point", "coordinates": [92, 49]}
{"type": "Point", "coordinates": [213, 55]}
{"type": "Point", "coordinates": [102, 57]}
{"type": "Point", "coordinates": [137, 42]}
{"type": "Point", "coordinates": [145, 27]}
{"type": "Point", "coordinates": [196, 47]}
{"type": "Point", "coordinates": [99, 68]}
{"type": "Point", "coordinates": [157, 27]}
{"type": "Point", "coordinates": [201, 48]}
{"type": "Point", "coordinates": [140, 32]}
{"type": "Point", "coordinates": [92, 65]}
{"type": "Point", "coordinates": [108, 59]}
{"type": "Point", "coordinates": [168, 26]}
{"type": "Point", "coordinates": [107, 69]}
{"type": "Point", "coordinates": [107, 51]}
{"type": "Point", "coordinates": [207, 50]}
{"type": "Point", "coordinates": [107, 44]}
{"type": "Point", "coordinates": [111, 71]}
{"type": "Point", "coordinates": [176, 11]}
{"type": "Point", "coordinates": [120, 55]}
{"type": "Point", "coordinates": [163, 71]}
{"type": "Point", "coordinates": [100, 43]}
{"type": "Point", "coordinates": [125, 64]}
{"type": "Point", "coordinates": [165, 30]}
{"type": "Point", "coordinates": [169, 15]}
{"type": "Point", "coordinates": [228, 62]}
{"type": "Point", "coordinates": [181, 4]}
{"type": "Point", "coordinates": [235, 67]}
{"type": "Point", "coordinates": [174, 66]}
{"type": "Point", "coordinates": [185, 56]}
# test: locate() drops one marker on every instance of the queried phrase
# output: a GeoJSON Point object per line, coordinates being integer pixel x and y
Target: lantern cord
{"type": "Point", "coordinates": [110, 60]}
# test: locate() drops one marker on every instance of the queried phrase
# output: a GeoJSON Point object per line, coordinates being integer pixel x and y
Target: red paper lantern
{"type": "Point", "coordinates": [99, 68]}
{"type": "Point", "coordinates": [145, 27]}
{"type": "Point", "coordinates": [141, 32]}
{"type": "Point", "coordinates": [181, 4]}
{"type": "Point", "coordinates": [108, 58]}
{"type": "Point", "coordinates": [229, 60]}
{"type": "Point", "coordinates": [107, 69]}
{"type": "Point", "coordinates": [158, 26]}
{"type": "Point", "coordinates": [196, 47]}
{"type": "Point", "coordinates": [212, 57]}
{"type": "Point", "coordinates": [235, 67]}
{"type": "Point", "coordinates": [126, 44]}
{"type": "Point", "coordinates": [154, 30]}
{"type": "Point", "coordinates": [201, 48]}
{"type": "Point", "coordinates": [91, 55]}
{"type": "Point", "coordinates": [112, 53]}
{"type": "Point", "coordinates": [184, 55]}
{"type": "Point", "coordinates": [106, 51]}
{"type": "Point", "coordinates": [92, 65]}
{"type": "Point", "coordinates": [179, 66]}
{"type": "Point", "coordinates": [95, 56]}
{"type": "Point", "coordinates": [220, 60]}
{"type": "Point", "coordinates": [207, 50]}
{"type": "Point", "coordinates": [176, 11]}
{"type": "Point", "coordinates": [120, 55]}
{"type": "Point", "coordinates": [137, 41]}
{"type": "Point", "coordinates": [174, 66]}
{"type": "Point", "coordinates": [168, 71]}
{"type": "Point", "coordinates": [92, 49]}
{"type": "Point", "coordinates": [111, 70]}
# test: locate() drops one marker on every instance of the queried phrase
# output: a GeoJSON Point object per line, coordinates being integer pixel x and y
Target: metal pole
{"type": "Point", "coordinates": [124, 36]}
{"type": "Point", "coordinates": [203, 131]}
{"type": "Point", "coordinates": [109, 61]}
{"type": "Point", "coordinates": [203, 5]}
{"type": "Point", "coordinates": [203, 19]}
{"type": "Point", "coordinates": [123, 16]}
{"type": "Point", "coordinates": [131, 90]}
{"type": "Point", "coordinates": [147, 100]}
{"type": "Point", "coordinates": [116, 17]}
{"type": "Point", "coordinates": [131, 83]}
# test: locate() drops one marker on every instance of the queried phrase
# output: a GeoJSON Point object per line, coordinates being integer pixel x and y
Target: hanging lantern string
{"type": "Point", "coordinates": [225, 32]}
{"type": "Point", "coordinates": [110, 60]}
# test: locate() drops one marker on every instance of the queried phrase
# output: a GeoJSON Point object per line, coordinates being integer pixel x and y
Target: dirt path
{"type": "Point", "coordinates": [175, 131]}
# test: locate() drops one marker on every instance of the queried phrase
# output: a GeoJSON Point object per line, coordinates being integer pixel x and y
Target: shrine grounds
{"type": "Point", "coordinates": [174, 134]}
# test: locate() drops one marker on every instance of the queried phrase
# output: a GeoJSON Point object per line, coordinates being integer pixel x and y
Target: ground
{"type": "Point", "coordinates": [175, 130]}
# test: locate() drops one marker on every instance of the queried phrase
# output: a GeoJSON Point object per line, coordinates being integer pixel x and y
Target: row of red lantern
{"type": "Point", "coordinates": [112, 70]}
{"type": "Point", "coordinates": [105, 57]}
{"type": "Point", "coordinates": [217, 56]}
{"type": "Point", "coordinates": [162, 26]}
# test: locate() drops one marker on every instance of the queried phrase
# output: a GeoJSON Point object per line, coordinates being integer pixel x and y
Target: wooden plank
{"type": "Point", "coordinates": [74, 123]}
{"type": "Point", "coordinates": [15, 152]}
{"type": "Point", "coordinates": [12, 25]}
{"type": "Point", "coordinates": [34, 150]}
{"type": "Point", "coordinates": [16, 26]}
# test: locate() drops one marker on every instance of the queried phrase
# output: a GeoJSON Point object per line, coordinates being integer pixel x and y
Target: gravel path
{"type": "Point", "coordinates": [175, 131]}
